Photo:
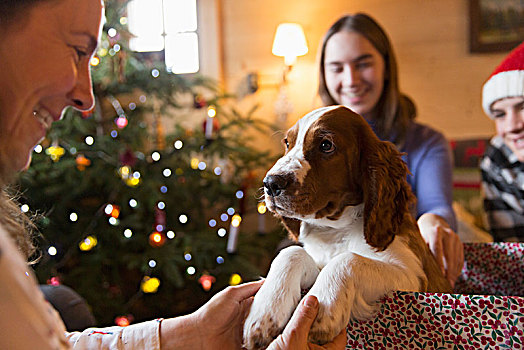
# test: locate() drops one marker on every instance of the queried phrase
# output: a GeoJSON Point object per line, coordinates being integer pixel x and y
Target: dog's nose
{"type": "Point", "coordinates": [274, 184]}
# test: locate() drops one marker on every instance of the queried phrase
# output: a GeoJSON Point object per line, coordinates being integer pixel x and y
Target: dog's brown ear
{"type": "Point", "coordinates": [387, 194]}
{"type": "Point", "coordinates": [292, 226]}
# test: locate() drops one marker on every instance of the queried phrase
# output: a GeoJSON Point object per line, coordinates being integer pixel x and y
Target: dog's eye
{"type": "Point", "coordinates": [286, 142]}
{"type": "Point", "coordinates": [327, 146]}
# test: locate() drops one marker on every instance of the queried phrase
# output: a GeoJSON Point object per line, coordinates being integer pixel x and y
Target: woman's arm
{"type": "Point", "coordinates": [436, 218]}
{"type": "Point", "coordinates": [433, 178]}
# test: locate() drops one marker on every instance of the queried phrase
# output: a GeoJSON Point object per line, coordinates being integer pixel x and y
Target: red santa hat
{"type": "Point", "coordinates": [506, 81]}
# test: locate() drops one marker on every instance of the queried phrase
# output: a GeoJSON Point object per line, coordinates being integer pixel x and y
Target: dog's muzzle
{"type": "Point", "coordinates": [275, 184]}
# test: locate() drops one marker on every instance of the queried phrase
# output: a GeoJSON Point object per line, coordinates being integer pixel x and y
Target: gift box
{"type": "Point", "coordinates": [486, 311]}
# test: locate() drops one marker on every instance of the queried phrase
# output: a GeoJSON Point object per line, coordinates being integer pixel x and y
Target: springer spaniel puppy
{"type": "Point", "coordinates": [343, 194]}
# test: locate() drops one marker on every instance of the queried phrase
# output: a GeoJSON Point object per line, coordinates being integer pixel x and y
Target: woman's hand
{"type": "Point", "coordinates": [296, 332]}
{"type": "Point", "coordinates": [216, 325]}
{"type": "Point", "coordinates": [444, 243]}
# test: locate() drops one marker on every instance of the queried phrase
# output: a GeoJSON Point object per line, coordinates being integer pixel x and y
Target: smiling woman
{"type": "Point", "coordinates": [35, 91]}
{"type": "Point", "coordinates": [45, 68]}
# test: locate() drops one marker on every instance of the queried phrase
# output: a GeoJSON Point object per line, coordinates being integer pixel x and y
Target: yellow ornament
{"type": "Point", "coordinates": [235, 279]}
{"type": "Point", "coordinates": [55, 152]}
{"type": "Point", "coordinates": [150, 284]}
{"type": "Point", "coordinates": [194, 163]}
{"type": "Point", "coordinates": [133, 182]}
{"type": "Point", "coordinates": [131, 179]}
{"type": "Point", "coordinates": [102, 52]}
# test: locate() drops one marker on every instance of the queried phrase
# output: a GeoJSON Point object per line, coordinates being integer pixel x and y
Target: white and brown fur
{"type": "Point", "coordinates": [350, 207]}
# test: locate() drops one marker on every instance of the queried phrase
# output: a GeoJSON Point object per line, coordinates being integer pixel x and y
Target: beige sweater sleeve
{"type": "Point", "coordinates": [143, 335]}
{"type": "Point", "coordinates": [28, 321]}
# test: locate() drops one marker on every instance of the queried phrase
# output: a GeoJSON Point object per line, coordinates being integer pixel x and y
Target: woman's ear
{"type": "Point", "coordinates": [292, 226]}
{"type": "Point", "coordinates": [387, 195]}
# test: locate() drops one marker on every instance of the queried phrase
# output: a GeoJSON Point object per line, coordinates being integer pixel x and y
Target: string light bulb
{"type": "Point", "coordinates": [124, 172]}
{"type": "Point", "coordinates": [183, 218]}
{"type": "Point", "coordinates": [156, 239]}
{"type": "Point", "coordinates": [211, 111]}
{"type": "Point", "coordinates": [236, 220]}
{"type": "Point", "coordinates": [95, 61]}
{"type": "Point", "coordinates": [261, 208]}
{"type": "Point", "coordinates": [88, 243]}
{"type": "Point", "coordinates": [178, 144]}
{"type": "Point", "coordinates": [52, 251]}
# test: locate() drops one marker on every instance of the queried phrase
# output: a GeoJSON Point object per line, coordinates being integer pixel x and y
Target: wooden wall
{"type": "Point", "coordinates": [430, 38]}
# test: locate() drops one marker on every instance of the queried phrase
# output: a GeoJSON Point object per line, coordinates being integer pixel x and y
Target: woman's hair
{"type": "Point", "coordinates": [17, 224]}
{"type": "Point", "coordinates": [394, 110]}
{"type": "Point", "coordinates": [12, 11]}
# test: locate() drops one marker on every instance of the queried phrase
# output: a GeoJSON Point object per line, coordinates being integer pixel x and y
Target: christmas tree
{"type": "Point", "coordinates": [143, 224]}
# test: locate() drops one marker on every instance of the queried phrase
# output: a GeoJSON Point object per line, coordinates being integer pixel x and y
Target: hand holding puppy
{"type": "Point", "coordinates": [296, 332]}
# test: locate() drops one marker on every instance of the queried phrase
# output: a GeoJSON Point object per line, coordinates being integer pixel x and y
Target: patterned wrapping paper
{"type": "Point", "coordinates": [488, 314]}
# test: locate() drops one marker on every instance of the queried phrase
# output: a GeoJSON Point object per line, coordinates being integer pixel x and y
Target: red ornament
{"type": "Point", "coordinates": [124, 321]}
{"type": "Point", "coordinates": [206, 281]}
{"type": "Point", "coordinates": [128, 158]}
{"type": "Point", "coordinates": [115, 211]}
{"type": "Point", "coordinates": [121, 122]}
{"type": "Point", "coordinates": [198, 101]}
{"type": "Point", "coordinates": [82, 162]}
{"type": "Point", "coordinates": [54, 281]}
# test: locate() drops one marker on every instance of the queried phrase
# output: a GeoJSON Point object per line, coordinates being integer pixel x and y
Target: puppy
{"type": "Point", "coordinates": [342, 193]}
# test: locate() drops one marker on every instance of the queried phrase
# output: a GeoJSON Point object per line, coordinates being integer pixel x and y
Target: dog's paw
{"type": "Point", "coordinates": [268, 316]}
{"type": "Point", "coordinates": [259, 333]}
{"type": "Point", "coordinates": [330, 320]}
{"type": "Point", "coordinates": [278, 297]}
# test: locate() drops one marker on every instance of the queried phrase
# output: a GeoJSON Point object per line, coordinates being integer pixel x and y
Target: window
{"type": "Point", "coordinates": [169, 25]}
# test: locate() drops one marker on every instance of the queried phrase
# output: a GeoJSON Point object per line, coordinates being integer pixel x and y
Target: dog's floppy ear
{"type": "Point", "coordinates": [387, 194]}
{"type": "Point", "coordinates": [292, 226]}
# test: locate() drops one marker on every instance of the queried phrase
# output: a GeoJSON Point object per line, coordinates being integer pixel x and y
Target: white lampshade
{"type": "Point", "coordinates": [289, 42]}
